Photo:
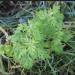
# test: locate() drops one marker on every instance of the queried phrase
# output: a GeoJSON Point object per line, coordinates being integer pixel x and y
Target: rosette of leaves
{"type": "Point", "coordinates": [36, 40]}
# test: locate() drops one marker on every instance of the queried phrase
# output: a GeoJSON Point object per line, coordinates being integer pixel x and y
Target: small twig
{"type": "Point", "coordinates": [5, 33]}
{"type": "Point", "coordinates": [53, 71]}
{"type": "Point", "coordinates": [65, 65]}
{"type": "Point", "coordinates": [1, 65]}
{"type": "Point", "coordinates": [17, 66]}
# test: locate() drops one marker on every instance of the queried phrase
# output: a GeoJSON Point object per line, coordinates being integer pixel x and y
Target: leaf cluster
{"type": "Point", "coordinates": [36, 40]}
